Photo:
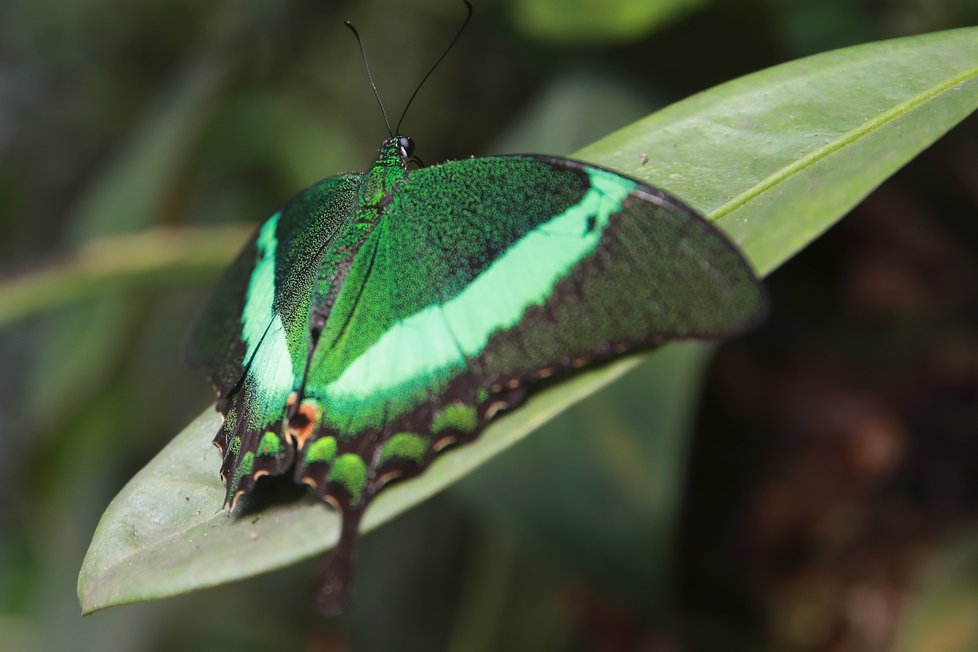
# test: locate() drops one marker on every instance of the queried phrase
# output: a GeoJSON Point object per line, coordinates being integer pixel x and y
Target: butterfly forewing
{"type": "Point", "coordinates": [484, 275]}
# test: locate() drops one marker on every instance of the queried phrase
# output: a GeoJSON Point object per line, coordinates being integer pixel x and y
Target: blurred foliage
{"type": "Point", "coordinates": [835, 451]}
{"type": "Point", "coordinates": [597, 21]}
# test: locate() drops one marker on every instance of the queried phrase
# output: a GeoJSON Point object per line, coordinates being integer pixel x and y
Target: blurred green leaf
{"type": "Point", "coordinates": [554, 491]}
{"type": "Point", "coordinates": [775, 158]}
{"type": "Point", "coordinates": [596, 21]}
{"type": "Point", "coordinates": [941, 617]}
{"type": "Point", "coordinates": [113, 261]}
{"type": "Point", "coordinates": [131, 191]}
{"type": "Point", "coordinates": [129, 194]}
{"type": "Point", "coordinates": [579, 106]}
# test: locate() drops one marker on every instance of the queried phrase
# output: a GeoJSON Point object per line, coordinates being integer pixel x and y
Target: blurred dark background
{"type": "Point", "coordinates": [819, 494]}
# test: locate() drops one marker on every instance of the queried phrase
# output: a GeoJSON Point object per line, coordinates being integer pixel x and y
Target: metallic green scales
{"type": "Point", "coordinates": [378, 318]}
{"type": "Point", "coordinates": [430, 346]}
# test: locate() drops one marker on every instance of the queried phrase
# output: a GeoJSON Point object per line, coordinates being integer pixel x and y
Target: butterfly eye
{"type": "Point", "coordinates": [406, 146]}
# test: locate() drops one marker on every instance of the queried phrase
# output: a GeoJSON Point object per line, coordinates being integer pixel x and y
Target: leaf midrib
{"type": "Point", "coordinates": [851, 136]}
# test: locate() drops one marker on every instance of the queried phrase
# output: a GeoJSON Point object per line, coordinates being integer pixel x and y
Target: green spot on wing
{"type": "Point", "coordinates": [350, 471]}
{"type": "Point", "coordinates": [244, 469]}
{"type": "Point", "coordinates": [322, 450]}
{"type": "Point", "coordinates": [405, 446]}
{"type": "Point", "coordinates": [457, 417]}
{"type": "Point", "coordinates": [231, 420]}
{"type": "Point", "coordinates": [270, 444]}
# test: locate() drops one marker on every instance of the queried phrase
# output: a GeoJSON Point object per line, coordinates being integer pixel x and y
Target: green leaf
{"type": "Point", "coordinates": [127, 195]}
{"type": "Point", "coordinates": [775, 158]}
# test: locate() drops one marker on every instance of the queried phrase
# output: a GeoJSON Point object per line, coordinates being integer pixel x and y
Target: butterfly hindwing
{"type": "Point", "coordinates": [252, 337]}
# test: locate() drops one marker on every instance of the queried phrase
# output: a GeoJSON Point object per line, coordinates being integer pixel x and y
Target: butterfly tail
{"type": "Point", "coordinates": [335, 584]}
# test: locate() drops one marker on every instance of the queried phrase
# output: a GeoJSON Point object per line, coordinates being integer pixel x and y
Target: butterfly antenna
{"type": "Point", "coordinates": [468, 16]}
{"type": "Point", "coordinates": [370, 78]}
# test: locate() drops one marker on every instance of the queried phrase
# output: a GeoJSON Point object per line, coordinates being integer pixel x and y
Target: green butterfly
{"type": "Point", "coordinates": [379, 318]}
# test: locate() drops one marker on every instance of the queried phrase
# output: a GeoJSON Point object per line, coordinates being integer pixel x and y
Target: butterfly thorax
{"type": "Point", "coordinates": [377, 188]}
{"type": "Point", "coordinates": [381, 180]}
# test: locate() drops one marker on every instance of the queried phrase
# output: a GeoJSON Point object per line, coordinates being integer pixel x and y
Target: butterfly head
{"type": "Point", "coordinates": [399, 150]}
{"type": "Point", "coordinates": [405, 147]}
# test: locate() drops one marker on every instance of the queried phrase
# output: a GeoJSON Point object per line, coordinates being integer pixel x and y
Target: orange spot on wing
{"type": "Point", "coordinates": [302, 424]}
{"type": "Point", "coordinates": [443, 442]}
{"type": "Point", "coordinates": [234, 499]}
{"type": "Point", "coordinates": [387, 477]}
{"type": "Point", "coordinates": [494, 409]}
{"type": "Point", "coordinates": [335, 504]}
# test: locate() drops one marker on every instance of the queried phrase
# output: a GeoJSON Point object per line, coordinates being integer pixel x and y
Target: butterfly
{"type": "Point", "coordinates": [379, 318]}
